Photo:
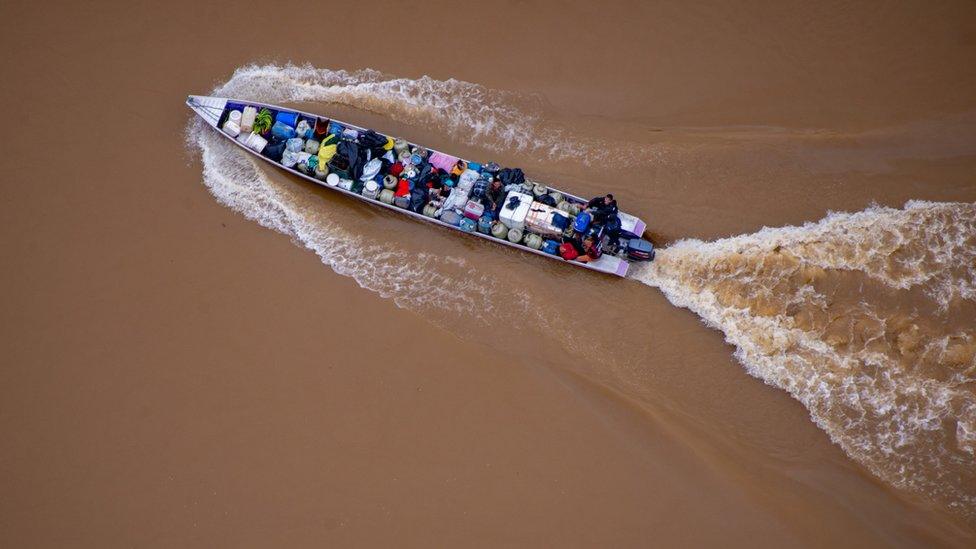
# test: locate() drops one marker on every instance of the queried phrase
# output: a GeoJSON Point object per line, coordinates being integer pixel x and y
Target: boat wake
{"type": "Point", "coordinates": [395, 268]}
{"type": "Point", "coordinates": [415, 280]}
{"type": "Point", "coordinates": [469, 113]}
{"type": "Point", "coordinates": [865, 318]}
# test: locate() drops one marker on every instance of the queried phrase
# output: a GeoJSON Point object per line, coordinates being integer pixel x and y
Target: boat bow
{"type": "Point", "coordinates": [208, 108]}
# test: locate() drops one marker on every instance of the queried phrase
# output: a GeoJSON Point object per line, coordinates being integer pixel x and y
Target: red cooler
{"type": "Point", "coordinates": [473, 210]}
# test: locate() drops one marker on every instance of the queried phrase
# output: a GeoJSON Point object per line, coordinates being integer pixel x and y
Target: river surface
{"type": "Point", "coordinates": [201, 350]}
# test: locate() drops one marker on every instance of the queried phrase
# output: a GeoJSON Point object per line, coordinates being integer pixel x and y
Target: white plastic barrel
{"type": "Point", "coordinates": [247, 119]}
{"type": "Point", "coordinates": [232, 128]}
{"type": "Point", "coordinates": [255, 142]}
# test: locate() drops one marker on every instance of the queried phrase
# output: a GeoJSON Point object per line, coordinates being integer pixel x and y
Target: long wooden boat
{"type": "Point", "coordinates": [215, 110]}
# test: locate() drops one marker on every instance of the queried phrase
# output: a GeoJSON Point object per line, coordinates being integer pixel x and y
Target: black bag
{"type": "Point", "coordinates": [424, 173]}
{"type": "Point", "coordinates": [511, 176]}
{"type": "Point", "coordinates": [372, 141]}
{"type": "Point", "coordinates": [349, 158]}
{"type": "Point", "coordinates": [339, 162]}
{"type": "Point", "coordinates": [547, 200]}
{"type": "Point", "coordinates": [274, 151]}
{"type": "Point", "coordinates": [418, 198]}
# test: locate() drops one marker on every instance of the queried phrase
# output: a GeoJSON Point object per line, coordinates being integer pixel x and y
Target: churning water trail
{"type": "Point", "coordinates": [470, 113]}
{"type": "Point", "coordinates": [863, 317]}
{"type": "Point", "coordinates": [414, 281]}
{"type": "Point", "coordinates": [835, 313]}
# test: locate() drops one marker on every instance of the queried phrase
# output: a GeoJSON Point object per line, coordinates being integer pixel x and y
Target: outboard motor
{"type": "Point", "coordinates": [639, 249]}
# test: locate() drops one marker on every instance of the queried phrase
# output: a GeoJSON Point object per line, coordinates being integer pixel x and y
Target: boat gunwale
{"type": "Point", "coordinates": [623, 262]}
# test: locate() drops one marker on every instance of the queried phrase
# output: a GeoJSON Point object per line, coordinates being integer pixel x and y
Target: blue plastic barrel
{"type": "Point", "coordinates": [287, 118]}
{"type": "Point", "coordinates": [484, 223]}
{"type": "Point", "coordinates": [282, 130]}
{"type": "Point", "coordinates": [468, 225]}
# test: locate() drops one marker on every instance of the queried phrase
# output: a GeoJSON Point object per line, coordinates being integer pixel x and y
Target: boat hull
{"type": "Point", "coordinates": [211, 109]}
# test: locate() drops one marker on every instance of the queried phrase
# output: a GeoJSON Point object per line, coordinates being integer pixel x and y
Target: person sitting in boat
{"type": "Point", "coordinates": [602, 207]}
{"type": "Point", "coordinates": [495, 197]}
{"type": "Point", "coordinates": [438, 190]}
{"type": "Point", "coordinates": [590, 251]}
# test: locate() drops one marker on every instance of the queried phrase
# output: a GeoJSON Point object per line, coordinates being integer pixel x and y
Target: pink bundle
{"type": "Point", "coordinates": [443, 161]}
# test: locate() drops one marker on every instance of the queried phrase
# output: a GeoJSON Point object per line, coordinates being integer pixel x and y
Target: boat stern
{"type": "Point", "coordinates": [631, 224]}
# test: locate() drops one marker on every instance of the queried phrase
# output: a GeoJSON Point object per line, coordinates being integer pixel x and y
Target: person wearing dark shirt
{"type": "Point", "coordinates": [495, 197]}
{"type": "Point", "coordinates": [601, 201]}
{"type": "Point", "coordinates": [602, 207]}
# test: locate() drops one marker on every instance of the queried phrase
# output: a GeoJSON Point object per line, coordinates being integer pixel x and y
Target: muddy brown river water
{"type": "Point", "coordinates": [200, 350]}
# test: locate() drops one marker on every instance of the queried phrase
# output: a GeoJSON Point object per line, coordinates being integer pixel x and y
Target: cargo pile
{"type": "Point", "coordinates": [485, 198]}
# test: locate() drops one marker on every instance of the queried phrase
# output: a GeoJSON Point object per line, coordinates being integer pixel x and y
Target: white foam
{"type": "Point", "coordinates": [470, 113]}
{"type": "Point", "coordinates": [895, 394]}
{"type": "Point", "coordinates": [415, 281]}
{"type": "Point", "coordinates": [911, 428]}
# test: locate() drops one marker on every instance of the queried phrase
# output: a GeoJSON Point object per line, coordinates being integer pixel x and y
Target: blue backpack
{"type": "Point", "coordinates": [551, 247]}
{"type": "Point", "coordinates": [582, 222]}
{"type": "Point", "coordinates": [560, 221]}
